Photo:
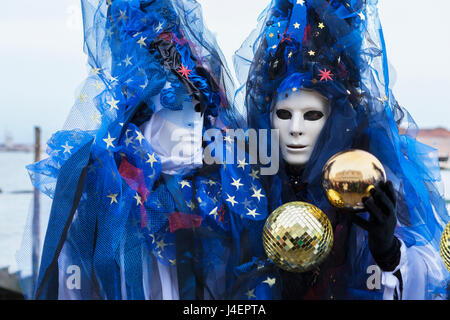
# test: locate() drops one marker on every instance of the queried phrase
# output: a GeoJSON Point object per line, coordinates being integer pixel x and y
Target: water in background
{"type": "Point", "coordinates": [15, 207]}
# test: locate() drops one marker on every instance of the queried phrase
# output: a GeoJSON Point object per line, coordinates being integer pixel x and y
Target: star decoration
{"type": "Point", "coordinates": [96, 118]}
{"type": "Point", "coordinates": [297, 25]}
{"type": "Point", "coordinates": [311, 53]}
{"type": "Point", "coordinates": [98, 85]}
{"type": "Point", "coordinates": [109, 141]}
{"type": "Point", "coordinates": [362, 16]}
{"type": "Point", "coordinates": [82, 98]}
{"type": "Point", "coordinates": [173, 262]}
{"type": "Point", "coordinates": [237, 184]}
{"type": "Point", "coordinates": [91, 168]}
{"type": "Point", "coordinates": [138, 199]}
{"type": "Point", "coordinates": [184, 71]}
{"type": "Point", "coordinates": [325, 75]}
{"type": "Point", "coordinates": [139, 137]}
{"type": "Point", "coordinates": [161, 244]}
{"type": "Point", "coordinates": [242, 164]}
{"type": "Point", "coordinates": [290, 54]}
{"type": "Point", "coordinates": [190, 205]}
{"type": "Point", "coordinates": [67, 148]}
{"type": "Point", "coordinates": [246, 203]}
{"type": "Point", "coordinates": [96, 71]}
{"type": "Point", "coordinates": [141, 42]}
{"type": "Point", "coordinates": [252, 213]}
{"type": "Point", "coordinates": [214, 213]}
{"type": "Point", "coordinates": [231, 200]}
{"type": "Point", "coordinates": [301, 2]}
{"type": "Point", "coordinates": [113, 104]}
{"type": "Point", "coordinates": [321, 25]}
{"type": "Point", "coordinates": [185, 183]}
{"type": "Point", "coordinates": [113, 198]}
{"type": "Point", "coordinates": [257, 194]}
{"type": "Point", "coordinates": [269, 281]}
{"type": "Point", "coordinates": [122, 15]}
{"type": "Point", "coordinates": [151, 159]}
{"type": "Point", "coordinates": [382, 99]}
{"type": "Point", "coordinates": [127, 61]}
{"type": "Point", "coordinates": [254, 174]}
{"type": "Point", "coordinates": [228, 139]}
{"type": "Point", "coordinates": [113, 79]}
{"type": "Point", "coordinates": [250, 294]}
{"type": "Point", "coordinates": [159, 27]}
{"type": "Point", "coordinates": [144, 85]}
{"type": "Point", "coordinates": [128, 141]}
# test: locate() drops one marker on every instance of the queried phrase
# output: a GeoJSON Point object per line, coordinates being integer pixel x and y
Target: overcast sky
{"type": "Point", "coordinates": [42, 61]}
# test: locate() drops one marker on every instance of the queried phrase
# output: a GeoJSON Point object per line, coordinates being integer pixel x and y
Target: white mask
{"type": "Point", "coordinates": [300, 118]}
{"type": "Point", "coordinates": [176, 136]}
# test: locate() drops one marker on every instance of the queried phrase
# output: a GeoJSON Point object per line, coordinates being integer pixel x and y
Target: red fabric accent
{"type": "Point", "coordinates": [144, 217]}
{"type": "Point", "coordinates": [178, 220]}
{"type": "Point", "coordinates": [182, 41]}
{"type": "Point", "coordinates": [136, 181]}
{"type": "Point", "coordinates": [134, 178]}
{"type": "Point", "coordinates": [168, 36]}
{"type": "Point", "coordinates": [221, 213]}
{"type": "Point", "coordinates": [286, 37]}
{"type": "Point", "coordinates": [307, 33]}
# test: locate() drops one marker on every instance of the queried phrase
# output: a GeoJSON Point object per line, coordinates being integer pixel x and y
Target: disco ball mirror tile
{"type": "Point", "coordinates": [297, 237]}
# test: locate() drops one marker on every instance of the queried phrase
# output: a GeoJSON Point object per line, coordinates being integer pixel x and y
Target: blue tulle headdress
{"type": "Point", "coordinates": [129, 230]}
{"type": "Point", "coordinates": [337, 49]}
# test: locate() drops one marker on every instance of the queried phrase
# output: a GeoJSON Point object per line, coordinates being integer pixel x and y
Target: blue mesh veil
{"type": "Point", "coordinates": [337, 48]}
{"type": "Point", "coordinates": [120, 228]}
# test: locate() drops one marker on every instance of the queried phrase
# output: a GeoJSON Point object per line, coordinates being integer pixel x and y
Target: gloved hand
{"type": "Point", "coordinates": [383, 245]}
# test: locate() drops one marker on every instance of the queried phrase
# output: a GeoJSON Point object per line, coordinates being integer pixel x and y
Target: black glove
{"type": "Point", "coordinates": [383, 245]}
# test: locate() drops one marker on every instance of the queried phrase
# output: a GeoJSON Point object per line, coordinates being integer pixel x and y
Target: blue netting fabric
{"type": "Point", "coordinates": [337, 48]}
{"type": "Point", "coordinates": [115, 214]}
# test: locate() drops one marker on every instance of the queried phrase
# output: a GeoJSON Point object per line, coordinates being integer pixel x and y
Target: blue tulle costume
{"type": "Point", "coordinates": [132, 231]}
{"type": "Point", "coordinates": [123, 227]}
{"type": "Point", "coordinates": [336, 47]}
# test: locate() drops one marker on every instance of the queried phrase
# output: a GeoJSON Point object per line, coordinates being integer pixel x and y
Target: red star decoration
{"type": "Point", "coordinates": [221, 213]}
{"type": "Point", "coordinates": [286, 37]}
{"type": "Point", "coordinates": [184, 71]}
{"type": "Point", "coordinates": [325, 75]}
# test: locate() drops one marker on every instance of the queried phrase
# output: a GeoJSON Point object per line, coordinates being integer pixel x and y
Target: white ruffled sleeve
{"type": "Point", "coordinates": [419, 266]}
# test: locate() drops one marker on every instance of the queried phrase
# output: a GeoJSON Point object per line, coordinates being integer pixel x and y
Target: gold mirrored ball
{"type": "Point", "coordinates": [349, 176]}
{"type": "Point", "coordinates": [445, 247]}
{"type": "Point", "coordinates": [297, 237]}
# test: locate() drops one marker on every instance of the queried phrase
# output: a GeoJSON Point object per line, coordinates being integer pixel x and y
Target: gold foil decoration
{"type": "Point", "coordinates": [348, 177]}
{"type": "Point", "coordinates": [445, 247]}
{"type": "Point", "coordinates": [297, 237]}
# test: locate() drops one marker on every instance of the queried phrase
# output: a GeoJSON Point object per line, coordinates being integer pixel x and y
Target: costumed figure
{"type": "Point", "coordinates": [317, 70]}
{"type": "Point", "coordinates": [136, 212]}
